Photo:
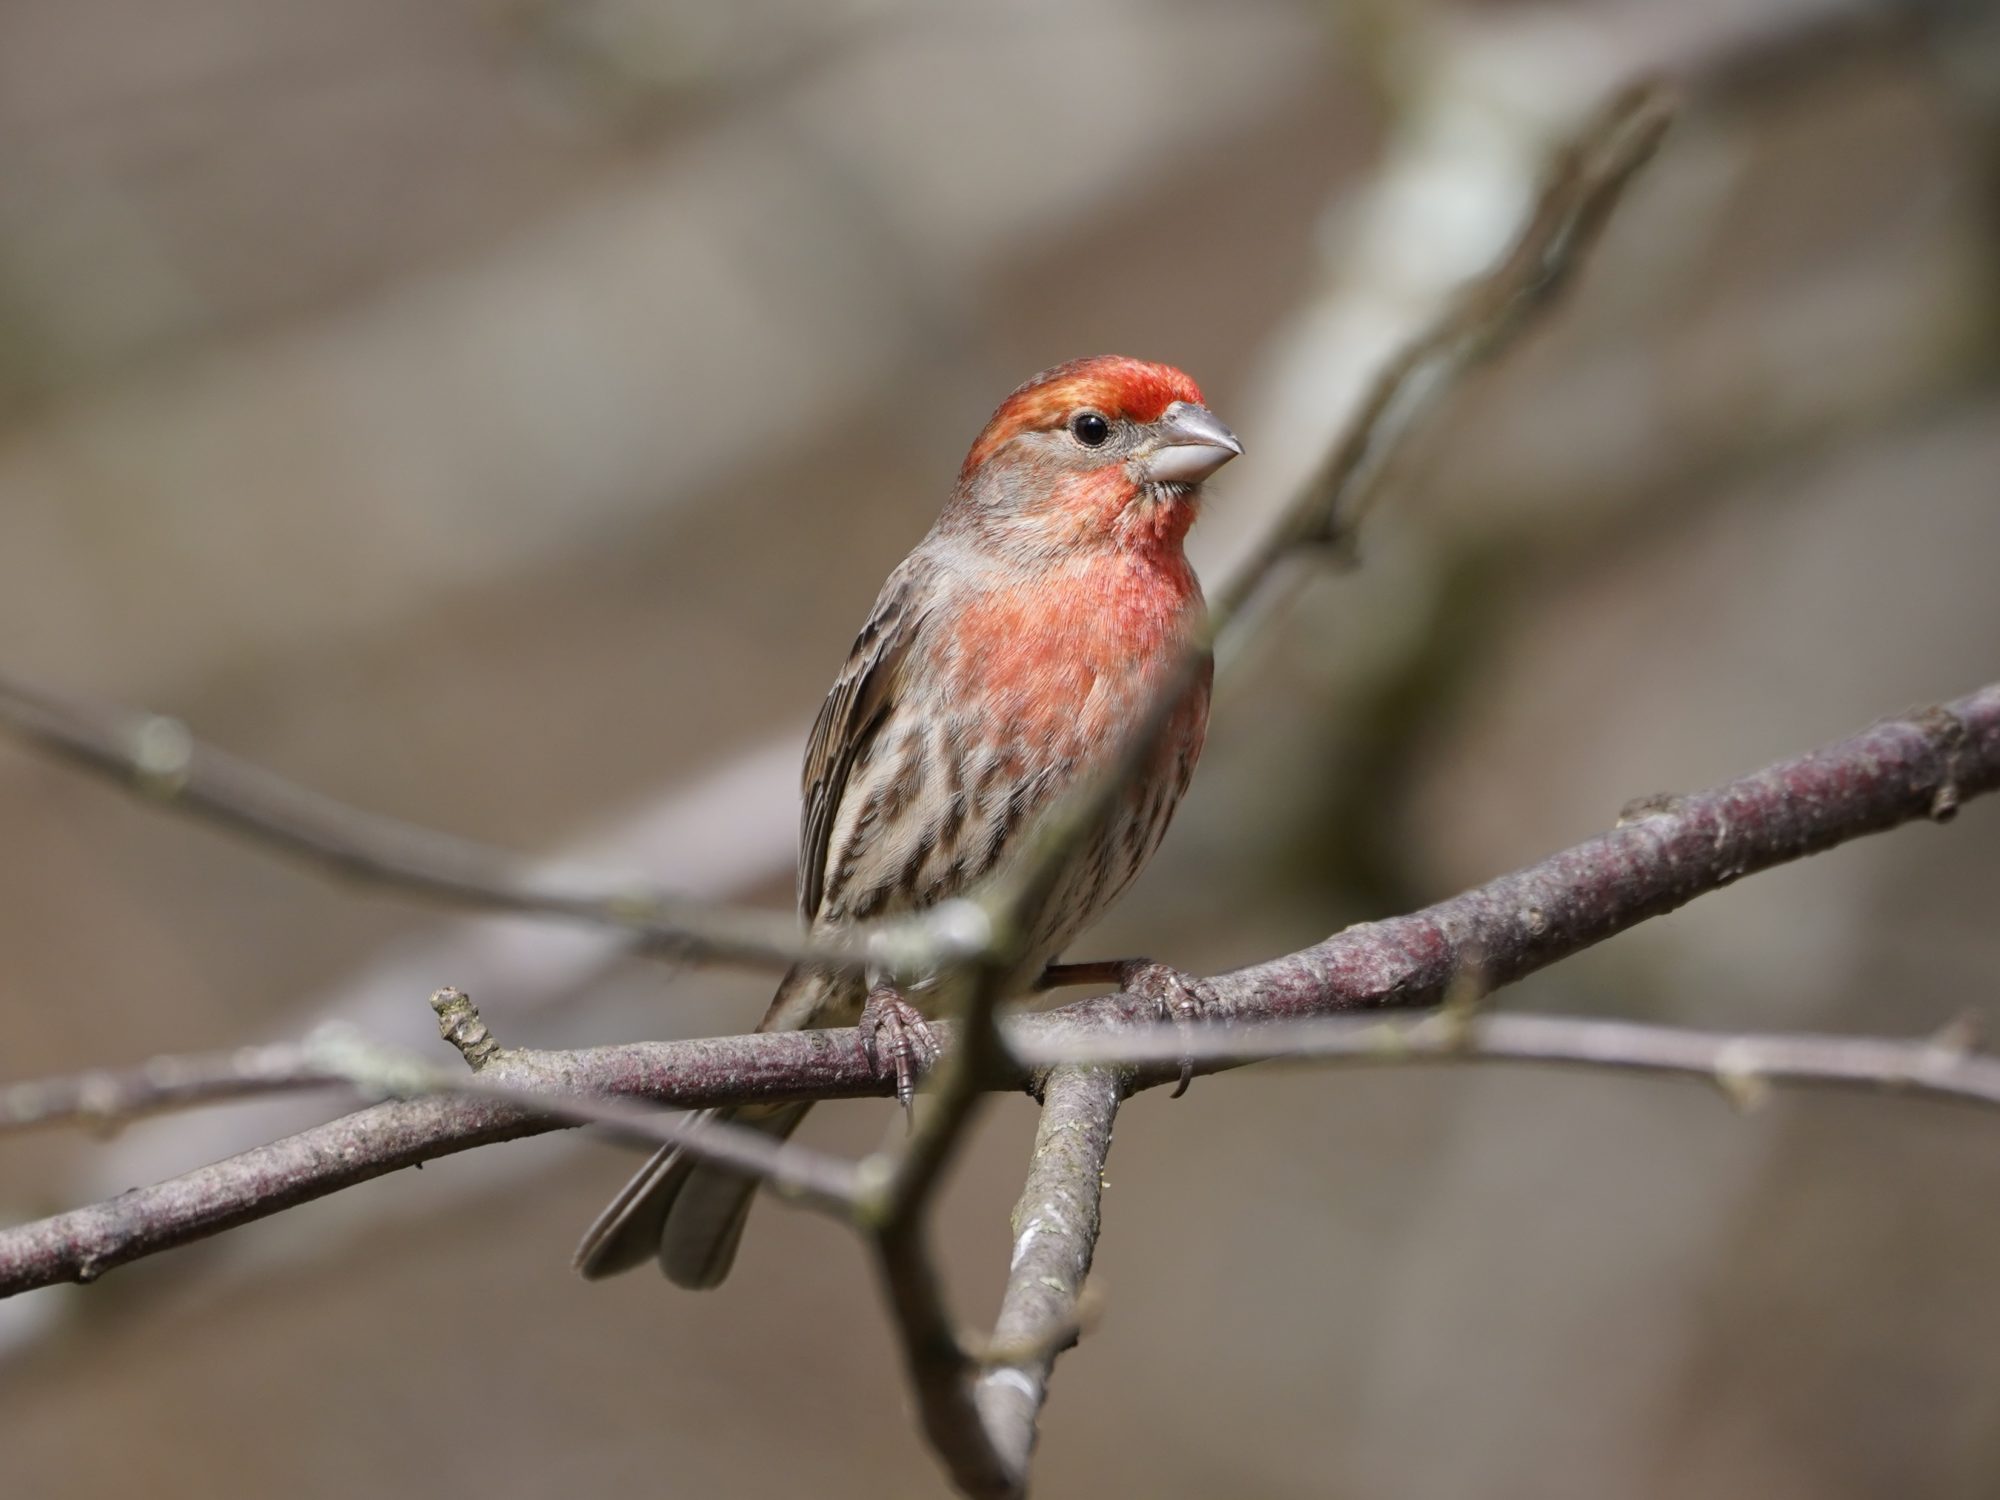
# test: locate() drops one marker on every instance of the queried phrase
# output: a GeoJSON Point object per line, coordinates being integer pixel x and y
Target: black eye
{"type": "Point", "coordinates": [1090, 429]}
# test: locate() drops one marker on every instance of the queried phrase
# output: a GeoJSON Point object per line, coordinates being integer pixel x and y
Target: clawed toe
{"type": "Point", "coordinates": [891, 1025]}
{"type": "Point", "coordinates": [1181, 998]}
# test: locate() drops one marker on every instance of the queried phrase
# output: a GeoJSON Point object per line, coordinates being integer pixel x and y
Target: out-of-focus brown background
{"type": "Point", "coordinates": [501, 414]}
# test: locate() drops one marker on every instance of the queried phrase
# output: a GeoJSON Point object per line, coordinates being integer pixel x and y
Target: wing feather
{"type": "Point", "coordinates": [853, 712]}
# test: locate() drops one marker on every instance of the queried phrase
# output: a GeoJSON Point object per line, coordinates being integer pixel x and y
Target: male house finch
{"type": "Point", "coordinates": [1006, 659]}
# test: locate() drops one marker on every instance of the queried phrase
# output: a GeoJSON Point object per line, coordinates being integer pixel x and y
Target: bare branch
{"type": "Point", "coordinates": [694, 1074]}
{"type": "Point", "coordinates": [1664, 853]}
{"type": "Point", "coordinates": [935, 1353]}
{"type": "Point", "coordinates": [1055, 1234]}
{"type": "Point", "coordinates": [983, 1424]}
{"type": "Point", "coordinates": [979, 1408]}
{"type": "Point", "coordinates": [1584, 185]}
{"type": "Point", "coordinates": [515, 1094]}
{"type": "Point", "coordinates": [1742, 1064]}
{"type": "Point", "coordinates": [157, 758]}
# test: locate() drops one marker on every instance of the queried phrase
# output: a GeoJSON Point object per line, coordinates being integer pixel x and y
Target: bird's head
{"type": "Point", "coordinates": [1107, 450]}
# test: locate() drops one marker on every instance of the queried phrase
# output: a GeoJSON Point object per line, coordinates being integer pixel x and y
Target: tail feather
{"type": "Point", "coordinates": [627, 1233]}
{"type": "Point", "coordinates": [689, 1215]}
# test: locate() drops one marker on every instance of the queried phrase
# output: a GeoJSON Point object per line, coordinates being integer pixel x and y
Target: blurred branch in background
{"type": "Point", "coordinates": [965, 938]}
{"type": "Point", "coordinates": [158, 758]}
{"type": "Point", "coordinates": [1767, 389]}
{"type": "Point", "coordinates": [1557, 470]}
{"type": "Point", "coordinates": [1581, 189]}
{"type": "Point", "coordinates": [1591, 453]}
{"type": "Point", "coordinates": [1665, 852]}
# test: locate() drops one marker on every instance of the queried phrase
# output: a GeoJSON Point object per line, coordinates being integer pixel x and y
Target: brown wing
{"type": "Point", "coordinates": [848, 720]}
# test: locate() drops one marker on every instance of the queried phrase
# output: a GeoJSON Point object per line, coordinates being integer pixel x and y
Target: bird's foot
{"type": "Point", "coordinates": [1180, 997]}
{"type": "Point", "coordinates": [895, 1038]}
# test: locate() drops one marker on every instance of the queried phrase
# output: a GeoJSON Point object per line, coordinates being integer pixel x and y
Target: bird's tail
{"type": "Point", "coordinates": [688, 1215]}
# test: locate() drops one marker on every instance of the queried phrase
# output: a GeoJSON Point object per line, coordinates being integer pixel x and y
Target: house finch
{"type": "Point", "coordinates": [1006, 659]}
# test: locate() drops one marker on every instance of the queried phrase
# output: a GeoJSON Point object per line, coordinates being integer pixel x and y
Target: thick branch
{"type": "Point", "coordinates": [979, 1414]}
{"type": "Point", "coordinates": [515, 1094]}
{"type": "Point", "coordinates": [1055, 1234]}
{"type": "Point", "coordinates": [1665, 851]}
{"type": "Point", "coordinates": [1663, 854]}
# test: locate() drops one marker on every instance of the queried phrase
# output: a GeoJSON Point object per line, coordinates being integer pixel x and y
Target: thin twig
{"type": "Point", "coordinates": [935, 1352]}
{"type": "Point", "coordinates": [159, 759]}
{"type": "Point", "coordinates": [755, 1068]}
{"type": "Point", "coordinates": [336, 1057]}
{"type": "Point", "coordinates": [936, 1355]}
{"type": "Point", "coordinates": [1742, 1064]}
{"type": "Point", "coordinates": [1585, 183]}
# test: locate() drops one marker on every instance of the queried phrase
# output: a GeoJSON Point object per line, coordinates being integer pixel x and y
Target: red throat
{"type": "Point", "coordinates": [1106, 503]}
{"type": "Point", "coordinates": [1063, 656]}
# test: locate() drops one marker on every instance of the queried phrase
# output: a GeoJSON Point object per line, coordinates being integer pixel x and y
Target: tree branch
{"type": "Point", "coordinates": [157, 758]}
{"type": "Point", "coordinates": [1584, 185]}
{"type": "Point", "coordinates": [983, 1425]}
{"type": "Point", "coordinates": [1742, 1064]}
{"type": "Point", "coordinates": [1578, 195]}
{"type": "Point", "coordinates": [1664, 853]}
{"type": "Point", "coordinates": [337, 1057]}
{"type": "Point", "coordinates": [1055, 1234]}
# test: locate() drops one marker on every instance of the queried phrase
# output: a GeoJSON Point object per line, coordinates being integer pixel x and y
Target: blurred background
{"type": "Point", "coordinates": [501, 413]}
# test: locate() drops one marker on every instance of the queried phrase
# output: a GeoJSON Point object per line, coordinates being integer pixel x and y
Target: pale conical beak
{"type": "Point", "coordinates": [1190, 445]}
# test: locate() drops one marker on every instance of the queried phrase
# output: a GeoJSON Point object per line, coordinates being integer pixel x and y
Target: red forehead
{"type": "Point", "coordinates": [1136, 389]}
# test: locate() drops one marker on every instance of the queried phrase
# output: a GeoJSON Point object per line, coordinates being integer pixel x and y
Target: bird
{"type": "Point", "coordinates": [1006, 660]}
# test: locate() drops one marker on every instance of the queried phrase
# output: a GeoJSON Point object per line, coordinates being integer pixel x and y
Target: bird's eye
{"type": "Point", "coordinates": [1089, 429]}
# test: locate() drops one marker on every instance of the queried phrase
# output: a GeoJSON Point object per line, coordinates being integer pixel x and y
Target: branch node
{"type": "Point", "coordinates": [1464, 1000]}
{"type": "Point", "coordinates": [341, 1051]}
{"type": "Point", "coordinates": [995, 1357]}
{"type": "Point", "coordinates": [1741, 1078]}
{"type": "Point", "coordinates": [1948, 731]}
{"type": "Point", "coordinates": [460, 1024]}
{"type": "Point", "coordinates": [1961, 1036]}
{"type": "Point", "coordinates": [1652, 805]}
{"type": "Point", "coordinates": [99, 1104]}
{"type": "Point", "coordinates": [162, 756]}
{"type": "Point", "coordinates": [874, 1191]}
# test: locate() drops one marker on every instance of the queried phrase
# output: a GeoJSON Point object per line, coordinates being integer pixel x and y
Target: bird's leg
{"type": "Point", "coordinates": [890, 1024]}
{"type": "Point", "coordinates": [1179, 996]}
